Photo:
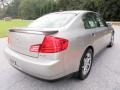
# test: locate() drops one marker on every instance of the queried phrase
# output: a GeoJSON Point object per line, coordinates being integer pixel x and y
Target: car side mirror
{"type": "Point", "coordinates": [109, 24]}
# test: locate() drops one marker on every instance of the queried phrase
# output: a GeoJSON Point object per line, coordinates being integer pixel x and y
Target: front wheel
{"type": "Point", "coordinates": [112, 41]}
{"type": "Point", "coordinates": [85, 64]}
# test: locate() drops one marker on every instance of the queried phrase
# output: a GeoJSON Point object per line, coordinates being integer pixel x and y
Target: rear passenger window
{"type": "Point", "coordinates": [90, 22]}
{"type": "Point", "coordinates": [102, 23]}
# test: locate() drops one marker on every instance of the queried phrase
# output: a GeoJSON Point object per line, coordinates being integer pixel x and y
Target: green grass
{"type": "Point", "coordinates": [6, 25]}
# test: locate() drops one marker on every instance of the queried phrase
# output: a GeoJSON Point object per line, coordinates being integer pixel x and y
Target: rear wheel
{"type": "Point", "coordinates": [85, 64]}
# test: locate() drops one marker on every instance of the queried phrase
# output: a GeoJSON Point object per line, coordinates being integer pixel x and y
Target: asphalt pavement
{"type": "Point", "coordinates": [105, 73]}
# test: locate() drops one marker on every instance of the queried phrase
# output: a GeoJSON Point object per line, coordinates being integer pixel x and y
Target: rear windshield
{"type": "Point", "coordinates": [52, 20]}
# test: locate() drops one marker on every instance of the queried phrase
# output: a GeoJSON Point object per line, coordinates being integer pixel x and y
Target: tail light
{"type": "Point", "coordinates": [50, 45]}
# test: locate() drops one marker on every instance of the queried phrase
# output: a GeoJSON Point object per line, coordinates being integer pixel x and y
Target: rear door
{"type": "Point", "coordinates": [96, 34]}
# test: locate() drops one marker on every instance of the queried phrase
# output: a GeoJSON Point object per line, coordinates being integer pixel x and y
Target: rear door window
{"type": "Point", "coordinates": [90, 21]}
{"type": "Point", "coordinates": [101, 21]}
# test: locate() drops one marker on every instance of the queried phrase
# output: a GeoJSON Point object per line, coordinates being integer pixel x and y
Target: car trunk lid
{"type": "Point", "coordinates": [21, 39]}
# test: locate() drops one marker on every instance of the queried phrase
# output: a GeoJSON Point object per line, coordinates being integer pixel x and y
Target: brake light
{"type": "Point", "coordinates": [50, 45]}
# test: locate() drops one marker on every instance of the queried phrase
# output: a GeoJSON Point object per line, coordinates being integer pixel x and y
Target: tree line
{"type": "Point", "coordinates": [32, 9]}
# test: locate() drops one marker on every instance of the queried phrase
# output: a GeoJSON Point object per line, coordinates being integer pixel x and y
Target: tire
{"type": "Point", "coordinates": [112, 41]}
{"type": "Point", "coordinates": [84, 70]}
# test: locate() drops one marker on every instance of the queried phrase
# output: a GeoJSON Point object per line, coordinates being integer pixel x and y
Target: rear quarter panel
{"type": "Point", "coordinates": [79, 40]}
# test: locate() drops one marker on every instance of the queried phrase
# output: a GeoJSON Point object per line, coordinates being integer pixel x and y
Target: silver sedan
{"type": "Point", "coordinates": [59, 44]}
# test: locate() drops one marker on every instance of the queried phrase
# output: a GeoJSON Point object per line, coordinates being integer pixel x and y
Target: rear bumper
{"type": "Point", "coordinates": [38, 67]}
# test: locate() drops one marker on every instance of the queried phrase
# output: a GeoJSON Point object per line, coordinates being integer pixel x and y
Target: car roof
{"type": "Point", "coordinates": [75, 12]}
